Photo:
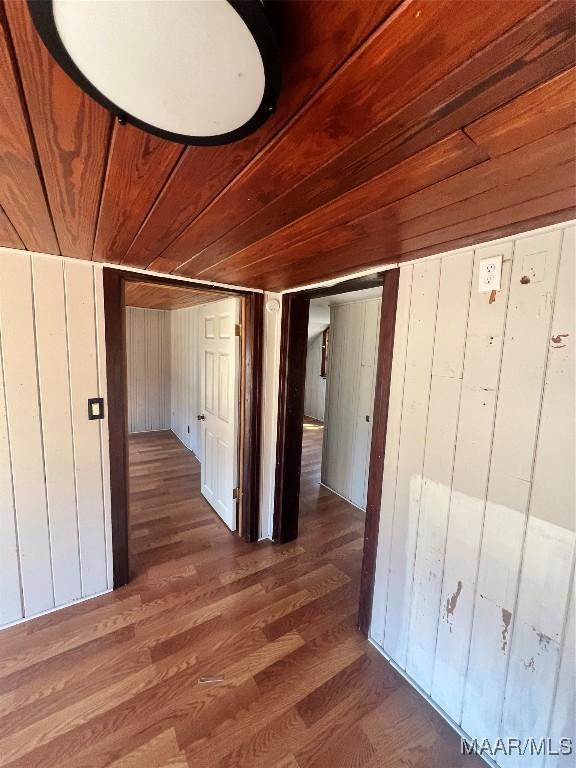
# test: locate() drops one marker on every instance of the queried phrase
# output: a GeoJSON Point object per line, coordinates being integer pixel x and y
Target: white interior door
{"type": "Point", "coordinates": [219, 406]}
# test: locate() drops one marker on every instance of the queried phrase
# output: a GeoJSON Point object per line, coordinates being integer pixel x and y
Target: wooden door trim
{"type": "Point", "coordinates": [117, 407]}
{"type": "Point", "coordinates": [293, 347]}
{"type": "Point", "coordinates": [378, 446]}
{"type": "Point", "coordinates": [251, 408]}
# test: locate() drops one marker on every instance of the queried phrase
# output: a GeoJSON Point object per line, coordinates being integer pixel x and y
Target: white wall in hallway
{"type": "Point", "coordinates": [55, 543]}
{"type": "Point", "coordinates": [315, 391]}
{"type": "Point", "coordinates": [148, 369]}
{"type": "Point", "coordinates": [270, 385]}
{"type": "Point", "coordinates": [350, 397]}
{"type": "Point", "coordinates": [476, 547]}
{"type": "Point", "coordinates": [185, 377]}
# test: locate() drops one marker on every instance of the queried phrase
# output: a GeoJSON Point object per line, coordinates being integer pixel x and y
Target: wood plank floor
{"type": "Point", "coordinates": [115, 681]}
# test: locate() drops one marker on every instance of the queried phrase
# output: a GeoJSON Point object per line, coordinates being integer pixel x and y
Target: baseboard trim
{"type": "Point", "coordinates": [183, 443]}
{"type": "Point", "coordinates": [463, 735]}
{"type": "Point", "coordinates": [54, 609]}
{"type": "Point", "coordinates": [324, 485]}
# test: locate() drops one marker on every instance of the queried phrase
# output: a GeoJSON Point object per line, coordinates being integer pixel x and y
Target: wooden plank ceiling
{"type": "Point", "coordinates": [404, 128]}
{"type": "Point", "coordinates": [151, 296]}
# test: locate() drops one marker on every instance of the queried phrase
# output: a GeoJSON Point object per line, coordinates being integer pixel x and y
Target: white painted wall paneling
{"type": "Point", "coordinates": [315, 390]}
{"type": "Point", "coordinates": [184, 377]}
{"type": "Point", "coordinates": [469, 483]}
{"type": "Point", "coordinates": [475, 563]}
{"type": "Point", "coordinates": [148, 361]}
{"type": "Point", "coordinates": [270, 386]}
{"type": "Point", "coordinates": [417, 376]}
{"type": "Point", "coordinates": [350, 398]}
{"type": "Point", "coordinates": [54, 481]}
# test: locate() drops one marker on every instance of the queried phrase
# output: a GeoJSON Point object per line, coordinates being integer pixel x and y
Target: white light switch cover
{"type": "Point", "coordinates": [489, 274]}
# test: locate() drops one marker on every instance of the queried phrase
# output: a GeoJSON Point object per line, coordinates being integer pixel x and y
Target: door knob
{"type": "Point", "coordinates": [201, 417]}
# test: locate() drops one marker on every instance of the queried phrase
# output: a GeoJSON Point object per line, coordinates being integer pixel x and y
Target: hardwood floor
{"type": "Point", "coordinates": [115, 681]}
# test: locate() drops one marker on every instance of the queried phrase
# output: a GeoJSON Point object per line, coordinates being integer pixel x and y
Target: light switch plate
{"type": "Point", "coordinates": [490, 274]}
{"type": "Point", "coordinates": [95, 408]}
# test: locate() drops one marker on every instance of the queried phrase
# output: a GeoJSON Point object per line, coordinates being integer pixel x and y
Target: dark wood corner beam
{"type": "Point", "coordinates": [293, 348]}
{"type": "Point", "coordinates": [115, 334]}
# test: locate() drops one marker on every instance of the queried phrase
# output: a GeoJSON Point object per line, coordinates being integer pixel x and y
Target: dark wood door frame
{"type": "Point", "coordinates": [293, 347]}
{"type": "Point", "coordinates": [252, 308]}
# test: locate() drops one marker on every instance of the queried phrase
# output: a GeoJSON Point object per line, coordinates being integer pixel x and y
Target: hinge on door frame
{"type": "Point", "coordinates": [238, 329]}
{"type": "Point", "coordinates": [236, 493]}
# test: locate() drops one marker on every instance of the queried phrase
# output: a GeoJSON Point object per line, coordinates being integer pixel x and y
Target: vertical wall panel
{"type": "Point", "coordinates": [52, 349]}
{"type": "Point", "coordinates": [104, 437]}
{"type": "Point", "coordinates": [24, 424]}
{"type": "Point", "coordinates": [419, 353]}
{"type": "Point", "coordinates": [469, 483]}
{"type": "Point", "coordinates": [270, 385]}
{"type": "Point", "coordinates": [315, 391]}
{"type": "Point", "coordinates": [391, 455]}
{"type": "Point", "coordinates": [81, 318]}
{"type": "Point", "coordinates": [549, 546]}
{"type": "Point", "coordinates": [517, 414]}
{"type": "Point", "coordinates": [55, 543]}
{"type": "Point", "coordinates": [443, 412]}
{"type": "Point", "coordinates": [184, 377]}
{"type": "Point", "coordinates": [563, 721]}
{"type": "Point", "coordinates": [496, 651]}
{"type": "Point", "coordinates": [148, 363]}
{"type": "Point", "coordinates": [350, 398]}
{"type": "Point", "coordinates": [11, 608]}
{"type": "Point", "coordinates": [366, 381]}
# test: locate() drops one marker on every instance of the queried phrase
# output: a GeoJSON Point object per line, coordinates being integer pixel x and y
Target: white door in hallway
{"type": "Point", "coordinates": [219, 406]}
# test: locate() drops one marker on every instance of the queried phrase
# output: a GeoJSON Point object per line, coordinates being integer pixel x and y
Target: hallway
{"type": "Point", "coordinates": [115, 681]}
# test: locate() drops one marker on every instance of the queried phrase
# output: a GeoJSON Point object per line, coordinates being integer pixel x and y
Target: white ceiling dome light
{"type": "Point", "coordinates": [193, 71]}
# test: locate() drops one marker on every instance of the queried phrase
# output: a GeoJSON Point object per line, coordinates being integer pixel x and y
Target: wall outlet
{"type": "Point", "coordinates": [490, 274]}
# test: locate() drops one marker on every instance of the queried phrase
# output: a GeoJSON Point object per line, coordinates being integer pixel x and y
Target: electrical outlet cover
{"type": "Point", "coordinates": [490, 274]}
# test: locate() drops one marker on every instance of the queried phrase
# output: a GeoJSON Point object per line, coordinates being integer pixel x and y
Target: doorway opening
{"type": "Point", "coordinates": [336, 353]}
{"type": "Point", "coordinates": [184, 368]}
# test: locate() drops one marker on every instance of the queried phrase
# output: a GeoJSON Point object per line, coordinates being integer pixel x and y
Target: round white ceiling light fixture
{"type": "Point", "coordinates": [198, 72]}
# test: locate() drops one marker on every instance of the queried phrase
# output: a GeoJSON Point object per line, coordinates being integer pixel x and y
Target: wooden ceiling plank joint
{"type": "Point", "coordinates": [267, 181]}
{"type": "Point", "coordinates": [137, 168]}
{"type": "Point", "coordinates": [71, 133]}
{"type": "Point", "coordinates": [348, 22]}
{"type": "Point", "coordinates": [23, 195]}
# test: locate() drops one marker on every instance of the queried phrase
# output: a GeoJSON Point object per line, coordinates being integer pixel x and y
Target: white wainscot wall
{"type": "Point", "coordinates": [352, 353]}
{"type": "Point", "coordinates": [185, 377]}
{"type": "Point", "coordinates": [55, 542]}
{"type": "Point", "coordinates": [270, 385]}
{"type": "Point", "coordinates": [315, 390]}
{"type": "Point", "coordinates": [476, 547]}
{"type": "Point", "coordinates": [148, 369]}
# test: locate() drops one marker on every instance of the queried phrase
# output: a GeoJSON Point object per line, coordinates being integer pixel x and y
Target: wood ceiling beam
{"type": "Point", "coordinates": [22, 193]}
{"type": "Point", "coordinates": [151, 296]}
{"type": "Point", "coordinates": [533, 51]}
{"type": "Point", "coordinates": [544, 110]}
{"type": "Point", "coordinates": [317, 37]}
{"type": "Point", "coordinates": [475, 201]}
{"type": "Point", "coordinates": [71, 132]}
{"type": "Point", "coordinates": [414, 48]}
{"type": "Point", "coordinates": [446, 158]}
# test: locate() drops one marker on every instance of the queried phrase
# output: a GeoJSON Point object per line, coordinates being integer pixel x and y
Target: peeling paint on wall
{"type": "Point", "coordinates": [530, 664]}
{"type": "Point", "coordinates": [452, 602]}
{"type": "Point", "coordinates": [506, 618]}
